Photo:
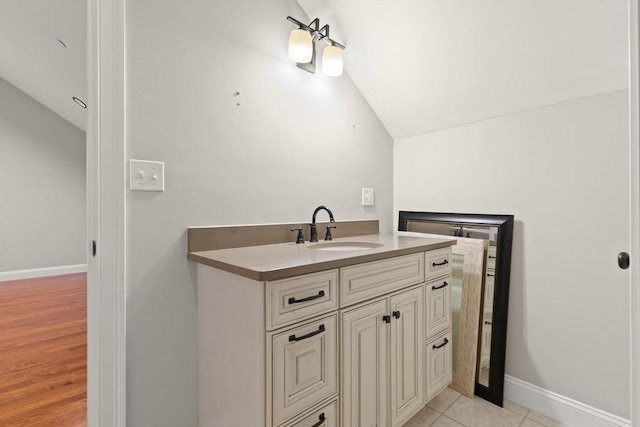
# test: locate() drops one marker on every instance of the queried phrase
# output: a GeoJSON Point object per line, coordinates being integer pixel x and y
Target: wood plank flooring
{"type": "Point", "coordinates": [43, 352]}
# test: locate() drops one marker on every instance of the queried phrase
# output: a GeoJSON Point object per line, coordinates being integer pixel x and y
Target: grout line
{"type": "Point", "coordinates": [436, 420]}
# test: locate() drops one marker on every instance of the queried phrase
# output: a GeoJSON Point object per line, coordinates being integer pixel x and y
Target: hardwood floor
{"type": "Point", "coordinates": [43, 351]}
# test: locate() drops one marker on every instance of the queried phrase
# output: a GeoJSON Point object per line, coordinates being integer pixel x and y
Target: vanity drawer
{"type": "Point", "coordinates": [327, 416]}
{"type": "Point", "coordinates": [301, 297]}
{"type": "Point", "coordinates": [439, 368]}
{"type": "Point", "coordinates": [304, 368]}
{"type": "Point", "coordinates": [364, 281]}
{"type": "Point", "coordinates": [437, 263]}
{"type": "Point", "coordinates": [438, 306]}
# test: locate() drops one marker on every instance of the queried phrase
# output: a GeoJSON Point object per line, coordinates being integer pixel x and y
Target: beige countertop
{"type": "Point", "coordinates": [278, 261]}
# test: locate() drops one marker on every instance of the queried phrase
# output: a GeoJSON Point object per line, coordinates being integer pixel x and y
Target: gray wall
{"type": "Point", "coordinates": [296, 141]}
{"type": "Point", "coordinates": [562, 170]}
{"type": "Point", "coordinates": [42, 185]}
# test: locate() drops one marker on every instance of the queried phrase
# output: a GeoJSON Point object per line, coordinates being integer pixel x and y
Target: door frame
{"type": "Point", "coordinates": [634, 199]}
{"type": "Point", "coordinates": [106, 181]}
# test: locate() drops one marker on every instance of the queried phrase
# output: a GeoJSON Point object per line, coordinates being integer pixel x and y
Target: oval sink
{"type": "Point", "coordinates": [345, 246]}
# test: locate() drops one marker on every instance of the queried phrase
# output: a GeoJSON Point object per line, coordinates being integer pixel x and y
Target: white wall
{"type": "Point", "coordinates": [561, 170]}
{"type": "Point", "coordinates": [296, 141]}
{"type": "Point", "coordinates": [42, 185]}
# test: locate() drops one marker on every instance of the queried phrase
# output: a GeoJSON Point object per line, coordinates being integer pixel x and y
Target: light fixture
{"type": "Point", "coordinates": [302, 48]}
{"type": "Point", "coordinates": [332, 61]}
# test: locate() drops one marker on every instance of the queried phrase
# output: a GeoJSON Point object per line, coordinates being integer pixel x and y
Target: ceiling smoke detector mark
{"type": "Point", "coordinates": [145, 175]}
{"type": "Point", "coordinates": [62, 43]}
{"type": "Point", "coordinates": [367, 197]}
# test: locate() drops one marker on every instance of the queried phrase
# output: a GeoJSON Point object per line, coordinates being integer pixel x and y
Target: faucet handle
{"type": "Point", "coordinates": [300, 238]}
{"type": "Point", "coordinates": [328, 235]}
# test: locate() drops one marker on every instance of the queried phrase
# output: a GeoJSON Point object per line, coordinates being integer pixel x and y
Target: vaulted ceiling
{"type": "Point", "coordinates": [33, 60]}
{"type": "Point", "coordinates": [423, 65]}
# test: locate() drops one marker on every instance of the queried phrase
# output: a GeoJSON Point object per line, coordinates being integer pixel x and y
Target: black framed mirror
{"type": "Point", "coordinates": [498, 230]}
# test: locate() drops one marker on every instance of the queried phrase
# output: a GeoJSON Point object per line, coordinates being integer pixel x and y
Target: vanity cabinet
{"type": "Point", "coordinates": [360, 345]}
{"type": "Point", "coordinates": [381, 340]}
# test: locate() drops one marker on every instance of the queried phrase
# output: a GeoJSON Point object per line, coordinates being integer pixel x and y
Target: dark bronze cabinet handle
{"type": "Point", "coordinates": [396, 314]}
{"type": "Point", "coordinates": [386, 318]}
{"type": "Point", "coordinates": [491, 275]}
{"type": "Point", "coordinates": [435, 288]}
{"type": "Point", "coordinates": [446, 341]}
{"type": "Point", "coordinates": [311, 298]}
{"type": "Point", "coordinates": [321, 420]}
{"type": "Point", "coordinates": [486, 322]}
{"type": "Point", "coordinates": [436, 264]}
{"type": "Point", "coordinates": [309, 335]}
{"type": "Point", "coordinates": [492, 257]}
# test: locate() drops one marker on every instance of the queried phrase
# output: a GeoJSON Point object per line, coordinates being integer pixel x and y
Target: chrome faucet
{"type": "Point", "coordinates": [314, 229]}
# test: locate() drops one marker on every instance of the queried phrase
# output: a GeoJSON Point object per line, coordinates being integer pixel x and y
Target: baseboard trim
{"type": "Point", "coordinates": [561, 408]}
{"type": "Point", "coordinates": [42, 272]}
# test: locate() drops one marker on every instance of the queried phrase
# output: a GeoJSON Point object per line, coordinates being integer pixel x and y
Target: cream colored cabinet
{"type": "Point", "coordinates": [381, 340]}
{"type": "Point", "coordinates": [406, 361]}
{"type": "Point", "coordinates": [438, 365]}
{"type": "Point", "coordinates": [342, 347]}
{"type": "Point", "coordinates": [438, 306]}
{"type": "Point", "coordinates": [365, 333]}
{"type": "Point", "coordinates": [438, 326]}
{"type": "Point", "coordinates": [305, 367]}
{"type": "Point", "coordinates": [326, 416]}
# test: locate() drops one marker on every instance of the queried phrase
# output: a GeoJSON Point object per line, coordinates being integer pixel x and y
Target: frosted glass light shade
{"type": "Point", "coordinates": [332, 61]}
{"type": "Point", "coordinates": [300, 46]}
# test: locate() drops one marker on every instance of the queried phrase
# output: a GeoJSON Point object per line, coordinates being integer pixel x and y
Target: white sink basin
{"type": "Point", "coordinates": [344, 246]}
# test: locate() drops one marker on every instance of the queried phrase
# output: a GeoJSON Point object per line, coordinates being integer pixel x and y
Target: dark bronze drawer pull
{"type": "Point", "coordinates": [321, 420]}
{"type": "Point", "coordinates": [492, 257]}
{"type": "Point", "coordinates": [386, 318]}
{"type": "Point", "coordinates": [309, 335]}
{"type": "Point", "coordinates": [435, 288]}
{"type": "Point", "coordinates": [292, 300]}
{"type": "Point", "coordinates": [436, 264]}
{"type": "Point", "coordinates": [446, 341]}
{"type": "Point", "coordinates": [491, 275]}
{"type": "Point", "coordinates": [486, 322]}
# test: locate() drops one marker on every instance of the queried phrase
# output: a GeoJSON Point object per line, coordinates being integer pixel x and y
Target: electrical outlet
{"type": "Point", "coordinates": [145, 175]}
{"type": "Point", "coordinates": [367, 197]}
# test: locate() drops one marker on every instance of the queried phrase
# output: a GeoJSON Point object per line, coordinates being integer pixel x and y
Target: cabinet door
{"type": "Point", "coordinates": [323, 417]}
{"type": "Point", "coordinates": [439, 365]}
{"type": "Point", "coordinates": [438, 306]}
{"type": "Point", "coordinates": [304, 367]}
{"type": "Point", "coordinates": [406, 359]}
{"type": "Point", "coordinates": [364, 366]}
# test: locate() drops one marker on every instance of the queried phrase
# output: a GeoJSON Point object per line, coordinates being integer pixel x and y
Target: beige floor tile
{"type": "Point", "coordinates": [443, 400]}
{"type": "Point", "coordinates": [530, 423]}
{"type": "Point", "coordinates": [514, 407]}
{"type": "Point", "coordinates": [444, 421]}
{"type": "Point", "coordinates": [424, 418]}
{"type": "Point", "coordinates": [545, 421]}
{"type": "Point", "coordinates": [480, 413]}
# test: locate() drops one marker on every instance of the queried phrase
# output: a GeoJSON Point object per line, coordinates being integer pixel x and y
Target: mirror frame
{"type": "Point", "coordinates": [494, 393]}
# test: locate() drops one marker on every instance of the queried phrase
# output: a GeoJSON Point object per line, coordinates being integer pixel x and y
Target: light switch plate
{"type": "Point", "coordinates": [367, 197]}
{"type": "Point", "coordinates": [145, 175]}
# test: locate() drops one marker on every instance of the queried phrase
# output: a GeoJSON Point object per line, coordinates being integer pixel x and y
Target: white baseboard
{"type": "Point", "coordinates": [42, 272]}
{"type": "Point", "coordinates": [560, 408]}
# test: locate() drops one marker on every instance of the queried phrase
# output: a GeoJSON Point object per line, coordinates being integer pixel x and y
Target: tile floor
{"type": "Point", "coordinates": [451, 409]}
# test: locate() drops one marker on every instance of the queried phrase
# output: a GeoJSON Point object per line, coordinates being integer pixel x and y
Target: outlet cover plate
{"type": "Point", "coordinates": [367, 197]}
{"type": "Point", "coordinates": [145, 175]}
